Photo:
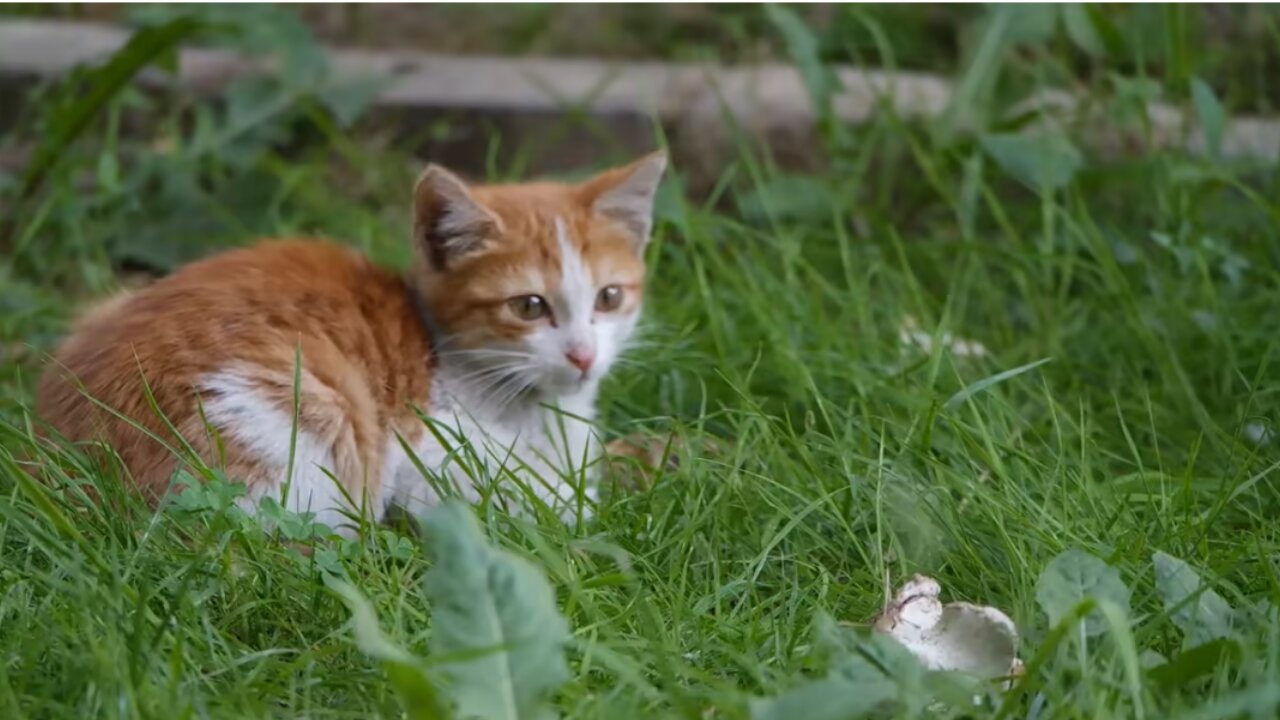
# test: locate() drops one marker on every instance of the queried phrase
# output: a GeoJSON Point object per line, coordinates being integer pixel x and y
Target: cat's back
{"type": "Point", "coordinates": [242, 313]}
{"type": "Point", "coordinates": [237, 306]}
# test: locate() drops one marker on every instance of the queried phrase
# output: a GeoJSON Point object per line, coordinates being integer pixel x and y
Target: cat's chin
{"type": "Point", "coordinates": [565, 385]}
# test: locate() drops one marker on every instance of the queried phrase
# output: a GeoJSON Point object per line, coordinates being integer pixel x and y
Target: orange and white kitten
{"type": "Point", "coordinates": [520, 299]}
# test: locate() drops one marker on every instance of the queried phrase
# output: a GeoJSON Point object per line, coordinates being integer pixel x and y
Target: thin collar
{"type": "Point", "coordinates": [423, 312]}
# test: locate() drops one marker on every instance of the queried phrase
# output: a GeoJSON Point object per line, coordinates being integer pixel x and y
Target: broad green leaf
{"type": "Point", "coordinates": [1199, 612]}
{"type": "Point", "coordinates": [1113, 41]}
{"type": "Point", "coordinates": [1151, 659]}
{"type": "Point", "coordinates": [407, 673]}
{"type": "Point", "coordinates": [348, 99]}
{"type": "Point", "coordinates": [1259, 701]}
{"type": "Point", "coordinates": [495, 626]}
{"type": "Point", "coordinates": [1196, 662]}
{"type": "Point", "coordinates": [1076, 22]}
{"type": "Point", "coordinates": [1073, 576]}
{"type": "Point", "coordinates": [790, 197]}
{"type": "Point", "coordinates": [1212, 116]}
{"type": "Point", "coordinates": [831, 698]}
{"type": "Point", "coordinates": [1044, 161]}
{"type": "Point", "coordinates": [864, 673]}
{"type": "Point", "coordinates": [954, 688]}
{"type": "Point", "coordinates": [1029, 23]}
{"type": "Point", "coordinates": [108, 172]}
{"type": "Point", "coordinates": [1080, 28]}
{"type": "Point", "coordinates": [858, 656]}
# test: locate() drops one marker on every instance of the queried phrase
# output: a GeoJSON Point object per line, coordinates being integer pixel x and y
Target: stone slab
{"type": "Point", "coordinates": [560, 114]}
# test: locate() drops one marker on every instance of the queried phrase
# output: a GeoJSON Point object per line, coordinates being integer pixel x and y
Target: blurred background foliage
{"type": "Point", "coordinates": [1237, 44]}
{"type": "Point", "coordinates": [1148, 275]}
{"type": "Point", "coordinates": [134, 183]}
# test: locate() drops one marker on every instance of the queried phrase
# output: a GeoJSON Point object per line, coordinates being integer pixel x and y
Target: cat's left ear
{"type": "Point", "coordinates": [626, 194]}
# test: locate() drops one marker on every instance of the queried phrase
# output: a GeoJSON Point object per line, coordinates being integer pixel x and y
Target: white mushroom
{"type": "Point", "coordinates": [975, 639]}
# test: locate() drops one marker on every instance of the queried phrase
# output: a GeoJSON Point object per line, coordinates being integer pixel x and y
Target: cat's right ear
{"type": "Point", "coordinates": [448, 222]}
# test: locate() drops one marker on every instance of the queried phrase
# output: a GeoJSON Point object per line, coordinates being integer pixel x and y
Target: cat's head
{"type": "Point", "coordinates": [535, 286]}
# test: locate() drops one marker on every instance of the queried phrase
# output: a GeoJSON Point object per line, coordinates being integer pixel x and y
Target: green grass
{"type": "Point", "coordinates": [849, 462]}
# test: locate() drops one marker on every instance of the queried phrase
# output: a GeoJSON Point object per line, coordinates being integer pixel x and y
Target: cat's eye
{"type": "Point", "coordinates": [609, 298]}
{"type": "Point", "coordinates": [529, 307]}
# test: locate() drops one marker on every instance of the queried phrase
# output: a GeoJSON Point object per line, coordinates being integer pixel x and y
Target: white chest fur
{"type": "Point", "coordinates": [526, 451]}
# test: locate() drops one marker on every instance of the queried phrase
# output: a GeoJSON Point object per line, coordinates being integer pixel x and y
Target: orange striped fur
{"type": "Point", "coordinates": [511, 377]}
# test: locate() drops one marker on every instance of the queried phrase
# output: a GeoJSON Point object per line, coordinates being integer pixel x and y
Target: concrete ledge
{"type": "Point", "coordinates": [528, 101]}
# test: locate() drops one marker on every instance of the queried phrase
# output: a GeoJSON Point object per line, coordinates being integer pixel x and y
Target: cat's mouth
{"type": "Point", "coordinates": [567, 380]}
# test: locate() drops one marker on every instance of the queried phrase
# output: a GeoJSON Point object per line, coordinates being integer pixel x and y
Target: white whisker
{"type": "Point", "coordinates": [490, 370]}
{"type": "Point", "coordinates": [481, 383]}
{"type": "Point", "coordinates": [484, 353]}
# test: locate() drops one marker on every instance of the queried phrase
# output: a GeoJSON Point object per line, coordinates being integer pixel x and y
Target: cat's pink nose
{"type": "Point", "coordinates": [581, 358]}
